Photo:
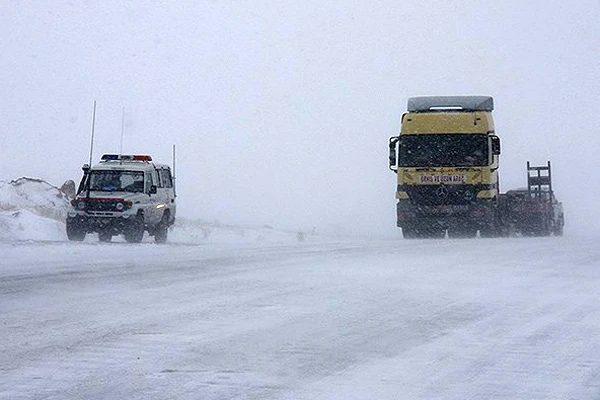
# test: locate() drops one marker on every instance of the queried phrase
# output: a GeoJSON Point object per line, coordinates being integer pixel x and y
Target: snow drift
{"type": "Point", "coordinates": [32, 209]}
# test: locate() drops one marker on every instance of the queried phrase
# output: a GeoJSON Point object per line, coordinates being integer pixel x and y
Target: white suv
{"type": "Point", "coordinates": [123, 194]}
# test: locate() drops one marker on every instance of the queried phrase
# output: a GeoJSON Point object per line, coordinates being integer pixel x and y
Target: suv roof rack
{"type": "Point", "coordinates": [450, 103]}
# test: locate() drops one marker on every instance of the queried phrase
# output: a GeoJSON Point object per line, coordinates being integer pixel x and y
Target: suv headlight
{"type": "Point", "coordinates": [119, 206]}
{"type": "Point", "coordinates": [81, 205]}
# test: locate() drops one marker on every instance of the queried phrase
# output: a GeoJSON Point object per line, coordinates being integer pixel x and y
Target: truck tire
{"type": "Point", "coordinates": [436, 233]}
{"type": "Point", "coordinates": [135, 231]}
{"type": "Point", "coordinates": [75, 231]}
{"type": "Point", "coordinates": [489, 232]}
{"type": "Point", "coordinates": [409, 232]}
{"type": "Point", "coordinates": [425, 230]}
{"type": "Point", "coordinates": [544, 229]}
{"type": "Point", "coordinates": [559, 228]}
{"type": "Point", "coordinates": [493, 229]}
{"type": "Point", "coordinates": [462, 231]}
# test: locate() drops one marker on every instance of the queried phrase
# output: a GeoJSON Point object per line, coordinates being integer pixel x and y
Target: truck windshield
{"type": "Point", "coordinates": [443, 150]}
{"type": "Point", "coordinates": [117, 181]}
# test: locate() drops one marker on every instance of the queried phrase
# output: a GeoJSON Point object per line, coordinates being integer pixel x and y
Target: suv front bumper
{"type": "Point", "coordinates": [115, 224]}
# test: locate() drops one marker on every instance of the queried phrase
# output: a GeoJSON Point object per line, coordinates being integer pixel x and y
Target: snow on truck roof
{"type": "Point", "coordinates": [450, 103]}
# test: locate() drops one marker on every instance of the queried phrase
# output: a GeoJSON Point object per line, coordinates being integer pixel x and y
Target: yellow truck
{"type": "Point", "coordinates": [446, 159]}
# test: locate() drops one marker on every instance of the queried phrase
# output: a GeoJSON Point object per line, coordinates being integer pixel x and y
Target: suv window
{"type": "Point", "coordinates": [165, 178]}
{"type": "Point", "coordinates": [117, 181]}
{"type": "Point", "coordinates": [149, 181]}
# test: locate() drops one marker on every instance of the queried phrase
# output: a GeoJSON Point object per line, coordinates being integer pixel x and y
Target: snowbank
{"type": "Point", "coordinates": [32, 209]}
{"type": "Point", "coordinates": [35, 195]}
{"type": "Point", "coordinates": [25, 225]}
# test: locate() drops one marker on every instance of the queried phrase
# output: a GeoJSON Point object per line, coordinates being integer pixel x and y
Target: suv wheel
{"type": "Point", "coordinates": [160, 233]}
{"type": "Point", "coordinates": [75, 230]}
{"type": "Point", "coordinates": [162, 229]}
{"type": "Point", "coordinates": [135, 231]}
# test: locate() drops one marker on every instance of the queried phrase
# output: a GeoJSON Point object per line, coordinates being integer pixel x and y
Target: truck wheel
{"type": "Point", "coordinates": [409, 232]}
{"type": "Point", "coordinates": [559, 228]}
{"type": "Point", "coordinates": [542, 229]}
{"type": "Point", "coordinates": [435, 233]}
{"type": "Point", "coordinates": [423, 231]}
{"type": "Point", "coordinates": [75, 231]}
{"type": "Point", "coordinates": [104, 236]}
{"type": "Point", "coordinates": [135, 231]}
{"type": "Point", "coordinates": [490, 231]}
{"type": "Point", "coordinates": [462, 231]}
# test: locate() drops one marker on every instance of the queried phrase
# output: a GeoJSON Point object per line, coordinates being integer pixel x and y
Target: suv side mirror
{"type": "Point", "coordinates": [152, 189]}
{"type": "Point", "coordinates": [495, 145]}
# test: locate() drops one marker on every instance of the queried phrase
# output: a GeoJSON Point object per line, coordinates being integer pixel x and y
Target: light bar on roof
{"type": "Point", "coordinates": [126, 157]}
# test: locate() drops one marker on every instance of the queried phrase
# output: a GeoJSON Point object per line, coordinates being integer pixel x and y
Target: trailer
{"type": "Point", "coordinates": [534, 211]}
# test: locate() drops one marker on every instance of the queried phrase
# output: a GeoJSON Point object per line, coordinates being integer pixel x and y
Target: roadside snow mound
{"type": "Point", "coordinates": [25, 225]}
{"type": "Point", "coordinates": [34, 195]}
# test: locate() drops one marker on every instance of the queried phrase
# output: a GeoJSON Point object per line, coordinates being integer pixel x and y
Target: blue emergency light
{"type": "Point", "coordinates": [126, 157]}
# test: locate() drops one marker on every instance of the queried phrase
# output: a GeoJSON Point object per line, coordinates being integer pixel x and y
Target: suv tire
{"type": "Point", "coordinates": [135, 231]}
{"type": "Point", "coordinates": [75, 231]}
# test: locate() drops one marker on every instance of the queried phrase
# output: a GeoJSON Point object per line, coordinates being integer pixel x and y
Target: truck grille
{"type": "Point", "coordinates": [434, 195]}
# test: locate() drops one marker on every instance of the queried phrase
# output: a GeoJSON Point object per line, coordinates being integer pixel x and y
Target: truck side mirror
{"type": "Point", "coordinates": [152, 189]}
{"type": "Point", "coordinates": [393, 154]}
{"type": "Point", "coordinates": [495, 145]}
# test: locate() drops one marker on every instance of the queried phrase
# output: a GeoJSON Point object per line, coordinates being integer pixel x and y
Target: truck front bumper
{"type": "Point", "coordinates": [479, 212]}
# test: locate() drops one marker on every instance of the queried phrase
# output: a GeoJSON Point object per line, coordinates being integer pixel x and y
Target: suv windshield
{"type": "Point", "coordinates": [117, 181]}
{"type": "Point", "coordinates": [443, 150]}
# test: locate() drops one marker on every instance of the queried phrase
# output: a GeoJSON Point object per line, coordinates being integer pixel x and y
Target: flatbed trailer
{"type": "Point", "coordinates": [533, 211]}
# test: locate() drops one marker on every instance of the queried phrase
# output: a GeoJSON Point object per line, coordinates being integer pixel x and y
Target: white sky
{"type": "Point", "coordinates": [281, 112]}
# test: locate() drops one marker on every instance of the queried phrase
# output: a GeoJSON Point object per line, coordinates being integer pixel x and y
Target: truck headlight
{"type": "Point", "coordinates": [119, 206]}
{"type": "Point", "coordinates": [81, 205]}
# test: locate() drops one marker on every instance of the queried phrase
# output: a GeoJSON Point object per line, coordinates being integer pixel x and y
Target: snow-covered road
{"type": "Point", "coordinates": [355, 319]}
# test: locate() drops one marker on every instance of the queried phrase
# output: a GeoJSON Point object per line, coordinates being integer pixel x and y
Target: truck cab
{"type": "Point", "coordinates": [446, 158]}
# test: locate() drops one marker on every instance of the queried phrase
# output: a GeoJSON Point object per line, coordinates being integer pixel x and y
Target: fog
{"type": "Point", "coordinates": [281, 113]}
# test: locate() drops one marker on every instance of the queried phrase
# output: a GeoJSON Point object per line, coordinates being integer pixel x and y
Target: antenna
{"type": "Point", "coordinates": [93, 126]}
{"type": "Point", "coordinates": [122, 132]}
{"type": "Point", "coordinates": [86, 172]}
